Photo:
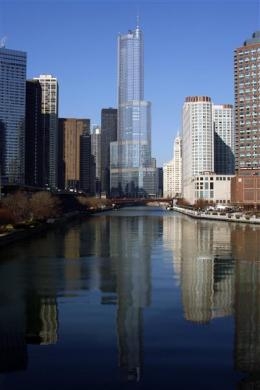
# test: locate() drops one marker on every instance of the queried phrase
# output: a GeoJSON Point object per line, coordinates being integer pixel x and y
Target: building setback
{"type": "Point", "coordinates": [50, 93]}
{"type": "Point", "coordinates": [172, 172]}
{"type": "Point", "coordinates": [108, 135]}
{"type": "Point", "coordinates": [33, 135]}
{"type": "Point", "coordinates": [12, 114]}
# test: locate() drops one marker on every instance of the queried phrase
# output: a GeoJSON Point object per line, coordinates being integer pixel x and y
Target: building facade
{"type": "Point", "coordinates": [12, 115]}
{"type": "Point", "coordinates": [50, 93]}
{"type": "Point", "coordinates": [247, 106]}
{"type": "Point", "coordinates": [224, 143]}
{"type": "Point", "coordinates": [108, 135]}
{"type": "Point", "coordinates": [71, 130]}
{"type": "Point", "coordinates": [131, 171]}
{"type": "Point", "coordinates": [172, 172]}
{"type": "Point", "coordinates": [33, 135]}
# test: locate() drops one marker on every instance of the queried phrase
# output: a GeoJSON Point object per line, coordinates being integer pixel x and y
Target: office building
{"type": "Point", "coordinates": [12, 115]}
{"type": "Point", "coordinates": [71, 129]}
{"type": "Point", "coordinates": [33, 135]}
{"type": "Point", "coordinates": [108, 135]}
{"type": "Point", "coordinates": [131, 171]}
{"type": "Point", "coordinates": [172, 172]}
{"type": "Point", "coordinates": [50, 92]}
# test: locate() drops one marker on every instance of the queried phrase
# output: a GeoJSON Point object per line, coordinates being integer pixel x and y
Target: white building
{"type": "Point", "coordinates": [172, 172]}
{"type": "Point", "coordinates": [50, 92]}
{"type": "Point", "coordinates": [207, 150]}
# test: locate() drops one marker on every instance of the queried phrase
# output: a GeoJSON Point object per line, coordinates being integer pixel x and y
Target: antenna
{"type": "Point", "coordinates": [2, 42]}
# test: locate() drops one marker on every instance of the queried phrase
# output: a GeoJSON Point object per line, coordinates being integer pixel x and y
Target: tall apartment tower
{"type": "Point", "coordinates": [33, 135]}
{"type": "Point", "coordinates": [87, 165]}
{"type": "Point", "coordinates": [247, 106]}
{"type": "Point", "coordinates": [172, 172]}
{"type": "Point", "coordinates": [50, 92]}
{"type": "Point", "coordinates": [131, 171]}
{"type": "Point", "coordinates": [108, 135]}
{"type": "Point", "coordinates": [96, 153]}
{"type": "Point", "coordinates": [12, 114]}
{"type": "Point", "coordinates": [197, 137]}
{"type": "Point", "coordinates": [70, 130]}
{"type": "Point", "coordinates": [223, 120]}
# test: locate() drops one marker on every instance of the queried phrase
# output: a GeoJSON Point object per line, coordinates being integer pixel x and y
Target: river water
{"type": "Point", "coordinates": [138, 298]}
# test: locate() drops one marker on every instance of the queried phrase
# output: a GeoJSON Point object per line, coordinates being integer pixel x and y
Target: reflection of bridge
{"type": "Point", "coordinates": [139, 201]}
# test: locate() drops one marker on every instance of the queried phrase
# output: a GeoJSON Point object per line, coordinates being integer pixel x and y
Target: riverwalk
{"type": "Point", "coordinates": [218, 215]}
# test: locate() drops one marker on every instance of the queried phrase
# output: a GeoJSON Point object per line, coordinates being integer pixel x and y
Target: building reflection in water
{"type": "Point", "coordinates": [203, 261]}
{"type": "Point", "coordinates": [216, 265]}
{"type": "Point", "coordinates": [131, 244]}
{"type": "Point", "coordinates": [245, 245]}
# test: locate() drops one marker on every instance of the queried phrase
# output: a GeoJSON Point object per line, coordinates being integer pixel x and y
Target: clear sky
{"type": "Point", "coordinates": [188, 47]}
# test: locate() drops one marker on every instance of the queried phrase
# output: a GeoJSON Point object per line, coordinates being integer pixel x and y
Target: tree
{"type": "Point", "coordinates": [6, 217]}
{"type": "Point", "coordinates": [43, 205]}
{"type": "Point", "coordinates": [18, 205]}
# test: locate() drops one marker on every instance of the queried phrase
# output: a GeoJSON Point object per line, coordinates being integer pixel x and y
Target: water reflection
{"type": "Point", "coordinates": [215, 266]}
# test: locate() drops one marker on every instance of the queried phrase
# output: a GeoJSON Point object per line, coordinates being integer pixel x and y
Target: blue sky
{"type": "Point", "coordinates": [188, 45]}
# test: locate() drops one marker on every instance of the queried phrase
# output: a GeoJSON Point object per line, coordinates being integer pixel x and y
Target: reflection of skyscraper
{"type": "Point", "coordinates": [207, 280]}
{"type": "Point", "coordinates": [131, 172]}
{"type": "Point", "coordinates": [42, 319]}
{"type": "Point", "coordinates": [133, 286]}
{"type": "Point", "coordinates": [245, 245]}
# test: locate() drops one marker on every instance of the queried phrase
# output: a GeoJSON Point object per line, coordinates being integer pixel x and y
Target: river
{"type": "Point", "coordinates": [138, 298]}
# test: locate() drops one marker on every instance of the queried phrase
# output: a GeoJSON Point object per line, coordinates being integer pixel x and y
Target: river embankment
{"type": "Point", "coordinates": [219, 215]}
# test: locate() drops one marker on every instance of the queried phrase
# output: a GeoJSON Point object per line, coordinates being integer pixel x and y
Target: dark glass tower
{"type": "Point", "coordinates": [108, 135]}
{"type": "Point", "coordinates": [33, 135]}
{"type": "Point", "coordinates": [12, 114]}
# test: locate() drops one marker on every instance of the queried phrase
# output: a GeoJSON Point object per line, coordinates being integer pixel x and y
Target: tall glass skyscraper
{"type": "Point", "coordinates": [12, 114]}
{"type": "Point", "coordinates": [131, 171]}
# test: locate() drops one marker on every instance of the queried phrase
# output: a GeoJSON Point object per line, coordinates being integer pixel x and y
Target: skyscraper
{"type": "Point", "coordinates": [12, 114]}
{"type": "Point", "coordinates": [33, 135]}
{"type": "Point", "coordinates": [49, 86]}
{"type": "Point", "coordinates": [96, 153]}
{"type": "Point", "coordinates": [247, 109]}
{"type": "Point", "coordinates": [131, 171]}
{"type": "Point", "coordinates": [200, 119]}
{"type": "Point", "coordinates": [71, 129]}
{"type": "Point", "coordinates": [224, 159]}
{"type": "Point", "coordinates": [197, 136]}
{"type": "Point", "coordinates": [108, 135]}
{"type": "Point", "coordinates": [172, 172]}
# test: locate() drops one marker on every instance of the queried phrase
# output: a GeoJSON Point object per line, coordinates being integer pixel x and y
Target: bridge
{"type": "Point", "coordinates": [139, 201]}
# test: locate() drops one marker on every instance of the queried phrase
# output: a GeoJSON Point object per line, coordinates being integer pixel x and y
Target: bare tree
{"type": "Point", "coordinates": [43, 205]}
{"type": "Point", "coordinates": [18, 205]}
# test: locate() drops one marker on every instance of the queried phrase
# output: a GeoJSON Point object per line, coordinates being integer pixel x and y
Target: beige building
{"type": "Point", "coordinates": [210, 187]}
